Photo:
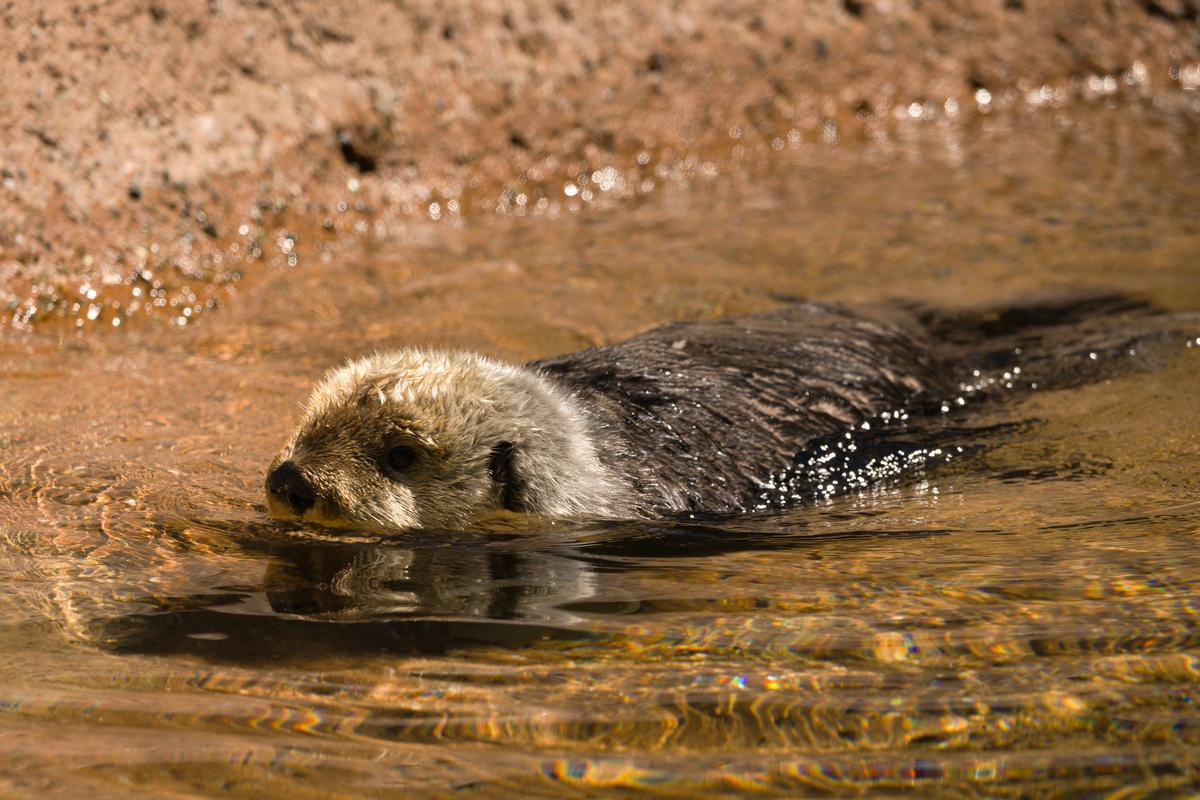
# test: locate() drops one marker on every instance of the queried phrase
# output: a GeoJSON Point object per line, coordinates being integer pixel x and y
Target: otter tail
{"type": "Point", "coordinates": [990, 354]}
{"type": "Point", "coordinates": [1056, 341]}
{"type": "Point", "coordinates": [979, 324]}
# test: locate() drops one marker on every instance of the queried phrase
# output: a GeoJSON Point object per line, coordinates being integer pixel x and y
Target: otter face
{"type": "Point", "coordinates": [403, 440]}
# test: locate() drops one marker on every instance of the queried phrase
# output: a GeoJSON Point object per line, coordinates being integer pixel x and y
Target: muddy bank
{"type": "Point", "coordinates": [159, 153]}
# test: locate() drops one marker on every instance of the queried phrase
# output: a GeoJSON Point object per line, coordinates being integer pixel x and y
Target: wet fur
{"type": "Point", "coordinates": [689, 417]}
{"type": "Point", "coordinates": [454, 410]}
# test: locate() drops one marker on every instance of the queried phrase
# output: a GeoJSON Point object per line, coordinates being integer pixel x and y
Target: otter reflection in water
{"type": "Point", "coordinates": [427, 594]}
{"type": "Point", "coordinates": [375, 582]}
{"type": "Point", "coordinates": [423, 595]}
{"type": "Point", "coordinates": [719, 416]}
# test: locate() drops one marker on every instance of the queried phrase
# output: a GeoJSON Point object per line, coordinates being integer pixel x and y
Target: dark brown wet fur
{"type": "Point", "coordinates": [701, 413]}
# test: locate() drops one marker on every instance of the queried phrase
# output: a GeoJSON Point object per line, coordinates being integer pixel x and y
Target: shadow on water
{"type": "Point", "coordinates": [433, 594]}
{"type": "Point", "coordinates": [436, 592]}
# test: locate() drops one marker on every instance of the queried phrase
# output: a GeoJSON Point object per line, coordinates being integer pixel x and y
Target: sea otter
{"type": "Point", "coordinates": [688, 418]}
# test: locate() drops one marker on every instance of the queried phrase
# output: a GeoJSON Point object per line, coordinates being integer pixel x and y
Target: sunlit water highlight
{"type": "Point", "coordinates": [1018, 619]}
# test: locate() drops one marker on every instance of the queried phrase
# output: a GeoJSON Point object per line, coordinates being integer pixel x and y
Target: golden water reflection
{"type": "Point", "coordinates": [1020, 622]}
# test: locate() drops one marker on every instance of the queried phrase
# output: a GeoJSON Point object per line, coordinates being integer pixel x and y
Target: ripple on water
{"type": "Point", "coordinates": [1015, 617]}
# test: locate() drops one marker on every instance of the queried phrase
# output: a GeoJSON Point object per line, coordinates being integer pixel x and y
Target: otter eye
{"type": "Point", "coordinates": [401, 458]}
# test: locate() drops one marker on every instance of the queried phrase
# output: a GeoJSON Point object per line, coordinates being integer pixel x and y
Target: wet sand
{"type": "Point", "coordinates": [158, 154]}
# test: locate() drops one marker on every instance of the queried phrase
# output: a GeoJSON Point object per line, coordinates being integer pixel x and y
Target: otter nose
{"type": "Point", "coordinates": [290, 486]}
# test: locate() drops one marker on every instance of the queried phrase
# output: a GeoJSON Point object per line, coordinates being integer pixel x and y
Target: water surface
{"type": "Point", "coordinates": [1022, 621]}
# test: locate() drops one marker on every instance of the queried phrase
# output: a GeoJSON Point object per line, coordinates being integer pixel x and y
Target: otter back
{"type": "Point", "coordinates": [704, 414]}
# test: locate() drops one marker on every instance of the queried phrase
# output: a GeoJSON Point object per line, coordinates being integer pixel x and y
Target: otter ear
{"type": "Point", "coordinates": [502, 469]}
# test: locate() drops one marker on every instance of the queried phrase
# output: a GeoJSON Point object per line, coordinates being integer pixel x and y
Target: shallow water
{"type": "Point", "coordinates": [1022, 621]}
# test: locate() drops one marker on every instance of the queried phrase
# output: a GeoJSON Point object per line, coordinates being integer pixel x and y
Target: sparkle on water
{"type": "Point", "coordinates": [1008, 607]}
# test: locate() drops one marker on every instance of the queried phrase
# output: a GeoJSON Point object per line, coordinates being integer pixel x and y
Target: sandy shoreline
{"type": "Point", "coordinates": [159, 153]}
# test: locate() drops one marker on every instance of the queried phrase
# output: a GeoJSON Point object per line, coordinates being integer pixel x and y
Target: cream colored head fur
{"type": "Point", "coordinates": [483, 435]}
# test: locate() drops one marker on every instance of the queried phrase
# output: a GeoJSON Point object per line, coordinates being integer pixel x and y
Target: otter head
{"type": "Point", "coordinates": [426, 439]}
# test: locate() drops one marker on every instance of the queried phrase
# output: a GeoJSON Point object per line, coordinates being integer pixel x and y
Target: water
{"type": "Point", "coordinates": [1022, 621]}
